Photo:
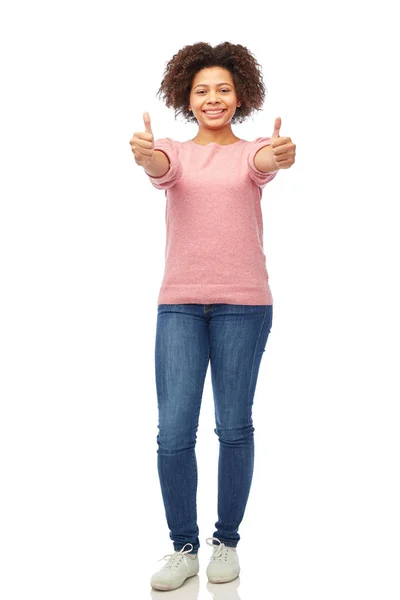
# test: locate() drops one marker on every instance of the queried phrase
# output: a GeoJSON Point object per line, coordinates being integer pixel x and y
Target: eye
{"type": "Point", "coordinates": [225, 90]}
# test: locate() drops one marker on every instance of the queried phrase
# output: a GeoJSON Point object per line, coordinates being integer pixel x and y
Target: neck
{"type": "Point", "coordinates": [221, 136]}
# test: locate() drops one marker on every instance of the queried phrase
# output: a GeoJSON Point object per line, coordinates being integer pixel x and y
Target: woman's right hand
{"type": "Point", "coordinates": [142, 143]}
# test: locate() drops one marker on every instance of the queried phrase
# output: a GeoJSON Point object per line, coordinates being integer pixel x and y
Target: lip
{"type": "Point", "coordinates": [217, 115]}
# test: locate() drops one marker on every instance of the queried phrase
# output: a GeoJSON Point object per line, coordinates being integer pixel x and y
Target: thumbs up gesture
{"type": "Point", "coordinates": [142, 143]}
{"type": "Point", "coordinates": [283, 149]}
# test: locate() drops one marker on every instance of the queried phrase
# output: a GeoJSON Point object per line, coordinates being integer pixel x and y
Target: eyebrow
{"type": "Point", "coordinates": [223, 83]}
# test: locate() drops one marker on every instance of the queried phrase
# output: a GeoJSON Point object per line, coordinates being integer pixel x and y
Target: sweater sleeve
{"type": "Point", "coordinates": [169, 147]}
{"type": "Point", "coordinates": [259, 177]}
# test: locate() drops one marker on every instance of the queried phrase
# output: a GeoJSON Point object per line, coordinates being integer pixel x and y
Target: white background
{"type": "Point", "coordinates": [82, 236]}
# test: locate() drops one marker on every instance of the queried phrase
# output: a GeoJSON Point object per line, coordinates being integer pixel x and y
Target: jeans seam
{"type": "Point", "coordinates": [252, 366]}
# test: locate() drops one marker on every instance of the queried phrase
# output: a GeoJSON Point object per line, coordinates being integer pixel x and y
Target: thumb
{"type": "Point", "coordinates": [277, 126]}
{"type": "Point", "coordinates": [146, 119]}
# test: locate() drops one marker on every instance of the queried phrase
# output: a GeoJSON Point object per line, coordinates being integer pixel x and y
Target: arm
{"type": "Point", "coordinates": [264, 160]}
{"type": "Point", "coordinates": [159, 164]}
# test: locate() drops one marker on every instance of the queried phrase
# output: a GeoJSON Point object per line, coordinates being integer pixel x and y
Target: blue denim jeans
{"type": "Point", "coordinates": [232, 337]}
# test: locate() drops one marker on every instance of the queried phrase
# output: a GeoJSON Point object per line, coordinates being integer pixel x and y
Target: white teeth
{"type": "Point", "coordinates": [213, 112]}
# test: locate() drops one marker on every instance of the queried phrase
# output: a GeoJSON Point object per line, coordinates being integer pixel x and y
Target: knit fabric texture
{"type": "Point", "coordinates": [214, 249]}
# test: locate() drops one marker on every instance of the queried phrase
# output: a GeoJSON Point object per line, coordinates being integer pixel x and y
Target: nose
{"type": "Point", "coordinates": [212, 98]}
{"type": "Point", "coordinates": [213, 101]}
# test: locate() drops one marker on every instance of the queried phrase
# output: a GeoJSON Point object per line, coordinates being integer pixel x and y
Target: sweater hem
{"type": "Point", "coordinates": [214, 294]}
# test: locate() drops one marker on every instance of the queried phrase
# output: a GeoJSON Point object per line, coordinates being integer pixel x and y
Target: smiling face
{"type": "Point", "coordinates": [213, 90]}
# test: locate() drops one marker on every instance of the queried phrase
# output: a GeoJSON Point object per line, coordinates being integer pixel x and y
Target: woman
{"type": "Point", "coordinates": [215, 304]}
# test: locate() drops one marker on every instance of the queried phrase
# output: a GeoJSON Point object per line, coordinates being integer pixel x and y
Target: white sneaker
{"type": "Point", "coordinates": [179, 567]}
{"type": "Point", "coordinates": [224, 563]}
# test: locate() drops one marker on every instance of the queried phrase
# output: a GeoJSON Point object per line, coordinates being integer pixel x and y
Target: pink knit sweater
{"type": "Point", "coordinates": [214, 228]}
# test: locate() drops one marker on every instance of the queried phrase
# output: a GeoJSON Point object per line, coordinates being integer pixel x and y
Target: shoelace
{"type": "Point", "coordinates": [220, 552]}
{"type": "Point", "coordinates": [176, 557]}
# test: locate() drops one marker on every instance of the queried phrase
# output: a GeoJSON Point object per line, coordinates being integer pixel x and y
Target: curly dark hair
{"type": "Point", "coordinates": [237, 59]}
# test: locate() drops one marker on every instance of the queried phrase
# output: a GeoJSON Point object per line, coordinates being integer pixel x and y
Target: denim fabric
{"type": "Point", "coordinates": [232, 337]}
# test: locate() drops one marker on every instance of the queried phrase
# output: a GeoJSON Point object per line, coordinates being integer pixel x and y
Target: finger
{"type": "Point", "coordinates": [277, 126]}
{"type": "Point", "coordinates": [279, 143]}
{"type": "Point", "coordinates": [147, 124]}
{"type": "Point", "coordinates": [145, 151]}
{"type": "Point", "coordinates": [143, 140]}
{"type": "Point", "coordinates": [284, 164]}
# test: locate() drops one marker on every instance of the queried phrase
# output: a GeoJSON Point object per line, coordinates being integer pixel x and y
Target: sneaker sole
{"type": "Point", "coordinates": [221, 579]}
{"type": "Point", "coordinates": [167, 588]}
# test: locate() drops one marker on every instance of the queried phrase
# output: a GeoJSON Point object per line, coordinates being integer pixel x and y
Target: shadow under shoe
{"type": "Point", "coordinates": [174, 573]}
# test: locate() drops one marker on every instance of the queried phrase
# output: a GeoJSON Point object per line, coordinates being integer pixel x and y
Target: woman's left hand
{"type": "Point", "coordinates": [283, 149]}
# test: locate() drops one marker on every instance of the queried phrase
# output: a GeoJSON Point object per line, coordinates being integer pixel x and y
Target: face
{"type": "Point", "coordinates": [213, 89]}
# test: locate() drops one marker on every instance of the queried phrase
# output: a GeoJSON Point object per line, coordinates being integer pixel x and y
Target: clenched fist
{"type": "Point", "coordinates": [142, 143]}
